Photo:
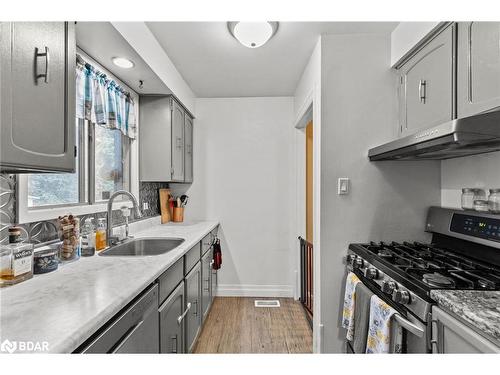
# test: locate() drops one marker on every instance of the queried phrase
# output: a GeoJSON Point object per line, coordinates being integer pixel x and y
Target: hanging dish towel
{"type": "Point", "coordinates": [379, 326]}
{"type": "Point", "coordinates": [217, 255]}
{"type": "Point", "coordinates": [361, 317]}
{"type": "Point", "coordinates": [349, 298]}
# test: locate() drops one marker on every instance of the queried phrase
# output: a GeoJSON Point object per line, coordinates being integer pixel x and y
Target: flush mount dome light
{"type": "Point", "coordinates": [122, 62]}
{"type": "Point", "coordinates": [252, 34]}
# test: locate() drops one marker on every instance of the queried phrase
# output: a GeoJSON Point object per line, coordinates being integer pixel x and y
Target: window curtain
{"type": "Point", "coordinates": [102, 101]}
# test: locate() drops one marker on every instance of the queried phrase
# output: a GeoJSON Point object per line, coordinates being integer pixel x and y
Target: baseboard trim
{"type": "Point", "coordinates": [228, 290]}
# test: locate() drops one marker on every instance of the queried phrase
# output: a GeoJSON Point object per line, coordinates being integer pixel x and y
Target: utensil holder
{"type": "Point", "coordinates": [178, 216]}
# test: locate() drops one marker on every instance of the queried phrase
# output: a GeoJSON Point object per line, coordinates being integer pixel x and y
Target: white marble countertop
{"type": "Point", "coordinates": [65, 307]}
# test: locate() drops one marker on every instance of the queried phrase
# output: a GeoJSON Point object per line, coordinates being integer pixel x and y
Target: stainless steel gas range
{"type": "Point", "coordinates": [464, 254]}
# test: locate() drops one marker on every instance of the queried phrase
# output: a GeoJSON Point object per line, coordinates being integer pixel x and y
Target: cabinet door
{"type": "Point", "coordinates": [193, 317]}
{"type": "Point", "coordinates": [172, 322]}
{"type": "Point", "coordinates": [478, 87]}
{"type": "Point", "coordinates": [37, 96]}
{"type": "Point", "coordinates": [426, 85]}
{"type": "Point", "coordinates": [206, 283]}
{"type": "Point", "coordinates": [177, 142]}
{"type": "Point", "coordinates": [449, 335]}
{"type": "Point", "coordinates": [188, 151]}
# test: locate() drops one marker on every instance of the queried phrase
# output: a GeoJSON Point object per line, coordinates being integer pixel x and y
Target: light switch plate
{"type": "Point", "coordinates": [343, 186]}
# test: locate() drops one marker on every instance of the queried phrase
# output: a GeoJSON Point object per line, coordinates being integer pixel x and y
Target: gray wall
{"type": "Point", "coordinates": [388, 200]}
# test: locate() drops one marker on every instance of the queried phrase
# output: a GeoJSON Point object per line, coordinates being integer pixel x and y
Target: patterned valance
{"type": "Point", "coordinates": [102, 101]}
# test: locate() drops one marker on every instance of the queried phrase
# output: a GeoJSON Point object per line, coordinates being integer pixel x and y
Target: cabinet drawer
{"type": "Point", "coordinates": [170, 279]}
{"type": "Point", "coordinates": [191, 258]}
{"type": "Point", "coordinates": [206, 243]}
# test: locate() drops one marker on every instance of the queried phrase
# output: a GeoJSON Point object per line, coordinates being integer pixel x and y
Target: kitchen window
{"type": "Point", "coordinates": [104, 164]}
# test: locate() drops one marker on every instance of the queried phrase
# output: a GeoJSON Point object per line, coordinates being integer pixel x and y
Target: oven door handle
{"type": "Point", "coordinates": [409, 326]}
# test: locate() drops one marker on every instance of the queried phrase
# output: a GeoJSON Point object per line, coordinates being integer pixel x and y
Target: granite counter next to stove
{"type": "Point", "coordinates": [480, 309]}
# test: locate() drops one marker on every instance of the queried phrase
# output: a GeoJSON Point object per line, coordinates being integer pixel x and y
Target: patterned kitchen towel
{"type": "Point", "coordinates": [379, 326]}
{"type": "Point", "coordinates": [349, 299]}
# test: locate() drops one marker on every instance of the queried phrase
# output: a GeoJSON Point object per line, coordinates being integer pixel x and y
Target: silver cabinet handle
{"type": "Point", "coordinates": [179, 142]}
{"type": "Point", "coordinates": [174, 343]}
{"type": "Point", "coordinates": [207, 289]}
{"type": "Point", "coordinates": [180, 318]}
{"type": "Point", "coordinates": [195, 312]}
{"type": "Point", "coordinates": [422, 90]}
{"type": "Point", "coordinates": [434, 331]}
{"type": "Point", "coordinates": [45, 54]}
{"type": "Point", "coordinates": [409, 326]}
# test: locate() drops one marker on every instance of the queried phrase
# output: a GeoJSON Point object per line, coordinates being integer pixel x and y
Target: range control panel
{"type": "Point", "coordinates": [476, 226]}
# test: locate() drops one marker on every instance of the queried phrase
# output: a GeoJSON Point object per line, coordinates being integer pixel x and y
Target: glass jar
{"type": "Point", "coordinates": [16, 263]}
{"type": "Point", "coordinates": [481, 205]}
{"type": "Point", "coordinates": [46, 260]}
{"type": "Point", "coordinates": [469, 195]}
{"type": "Point", "coordinates": [494, 201]}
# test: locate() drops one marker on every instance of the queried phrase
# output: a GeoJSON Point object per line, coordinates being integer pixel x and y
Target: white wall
{"type": "Point", "coordinates": [471, 171]}
{"type": "Point", "coordinates": [406, 35]}
{"type": "Point", "coordinates": [140, 38]}
{"type": "Point", "coordinates": [243, 177]}
{"type": "Point", "coordinates": [388, 200]}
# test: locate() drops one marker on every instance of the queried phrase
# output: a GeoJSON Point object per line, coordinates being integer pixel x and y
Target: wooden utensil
{"type": "Point", "coordinates": [165, 205]}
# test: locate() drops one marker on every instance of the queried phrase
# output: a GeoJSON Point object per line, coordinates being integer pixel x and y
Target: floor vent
{"type": "Point", "coordinates": [267, 303]}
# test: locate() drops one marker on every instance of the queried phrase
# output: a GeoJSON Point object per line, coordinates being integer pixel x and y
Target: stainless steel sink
{"type": "Point", "coordinates": [143, 247]}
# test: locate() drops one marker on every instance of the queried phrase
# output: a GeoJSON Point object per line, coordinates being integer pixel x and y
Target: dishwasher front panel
{"type": "Point", "coordinates": [136, 330]}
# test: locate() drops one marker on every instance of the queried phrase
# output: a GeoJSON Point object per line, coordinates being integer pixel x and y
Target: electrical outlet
{"type": "Point", "coordinates": [145, 206]}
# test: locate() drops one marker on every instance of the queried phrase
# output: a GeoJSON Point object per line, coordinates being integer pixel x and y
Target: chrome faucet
{"type": "Point", "coordinates": [109, 239]}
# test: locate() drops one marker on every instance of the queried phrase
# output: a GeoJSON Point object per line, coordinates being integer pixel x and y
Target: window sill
{"type": "Point", "coordinates": [42, 214]}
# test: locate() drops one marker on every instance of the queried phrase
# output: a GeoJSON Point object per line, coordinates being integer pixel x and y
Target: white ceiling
{"type": "Point", "coordinates": [214, 64]}
{"type": "Point", "coordinates": [102, 42]}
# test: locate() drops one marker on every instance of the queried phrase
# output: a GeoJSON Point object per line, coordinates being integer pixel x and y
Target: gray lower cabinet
{"type": "Point", "coordinates": [449, 335]}
{"type": "Point", "coordinates": [206, 283]}
{"type": "Point", "coordinates": [426, 85]}
{"type": "Point", "coordinates": [478, 87]}
{"type": "Point", "coordinates": [172, 314]}
{"type": "Point", "coordinates": [193, 301]}
{"type": "Point", "coordinates": [37, 97]}
{"type": "Point", "coordinates": [166, 140]}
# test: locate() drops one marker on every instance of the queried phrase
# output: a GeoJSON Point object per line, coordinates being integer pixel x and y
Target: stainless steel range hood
{"type": "Point", "coordinates": [467, 136]}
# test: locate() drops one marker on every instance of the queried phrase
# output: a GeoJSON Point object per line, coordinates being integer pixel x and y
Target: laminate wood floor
{"type": "Point", "coordinates": [235, 325]}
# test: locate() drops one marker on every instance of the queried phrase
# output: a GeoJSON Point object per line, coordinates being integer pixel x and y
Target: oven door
{"type": "Point", "coordinates": [408, 333]}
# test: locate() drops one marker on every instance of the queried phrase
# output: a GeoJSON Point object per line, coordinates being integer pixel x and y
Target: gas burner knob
{"type": "Point", "coordinates": [401, 296]}
{"type": "Point", "coordinates": [358, 263]}
{"type": "Point", "coordinates": [388, 287]}
{"type": "Point", "coordinates": [371, 273]}
{"type": "Point", "coordinates": [350, 258]}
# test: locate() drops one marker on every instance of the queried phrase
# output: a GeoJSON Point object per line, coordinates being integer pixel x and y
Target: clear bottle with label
{"type": "Point", "coordinates": [100, 235]}
{"type": "Point", "coordinates": [88, 238]}
{"type": "Point", "coordinates": [16, 261]}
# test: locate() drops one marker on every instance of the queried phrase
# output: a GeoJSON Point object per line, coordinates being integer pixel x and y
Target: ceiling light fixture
{"type": "Point", "coordinates": [252, 34]}
{"type": "Point", "coordinates": [122, 62]}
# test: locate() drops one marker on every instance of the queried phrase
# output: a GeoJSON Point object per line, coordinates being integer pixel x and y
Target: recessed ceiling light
{"type": "Point", "coordinates": [253, 34]}
{"type": "Point", "coordinates": [122, 62]}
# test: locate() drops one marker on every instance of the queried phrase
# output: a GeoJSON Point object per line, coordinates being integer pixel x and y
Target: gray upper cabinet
{"type": "Point", "coordinates": [450, 336]}
{"type": "Point", "coordinates": [193, 301]}
{"type": "Point", "coordinates": [177, 143]}
{"type": "Point", "coordinates": [37, 105]}
{"type": "Point", "coordinates": [172, 322]}
{"type": "Point", "coordinates": [426, 85]}
{"type": "Point", "coordinates": [206, 283]}
{"type": "Point", "coordinates": [478, 87]}
{"type": "Point", "coordinates": [188, 149]}
{"type": "Point", "coordinates": [166, 140]}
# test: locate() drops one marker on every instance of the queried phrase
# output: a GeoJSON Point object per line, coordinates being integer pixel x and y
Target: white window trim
{"type": "Point", "coordinates": [27, 215]}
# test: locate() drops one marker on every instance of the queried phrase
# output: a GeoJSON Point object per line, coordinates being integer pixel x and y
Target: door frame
{"type": "Point", "coordinates": [311, 109]}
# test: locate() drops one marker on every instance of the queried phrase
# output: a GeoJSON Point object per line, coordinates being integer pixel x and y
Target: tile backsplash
{"type": "Point", "coordinates": [45, 231]}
